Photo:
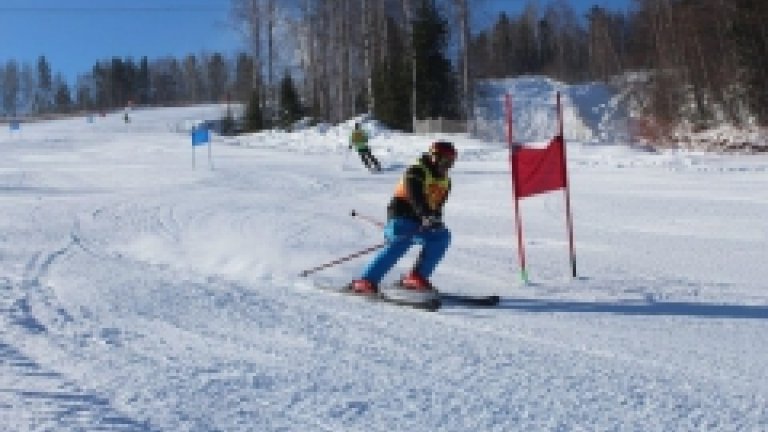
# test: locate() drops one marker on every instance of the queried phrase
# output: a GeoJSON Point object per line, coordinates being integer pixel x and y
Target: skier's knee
{"type": "Point", "coordinates": [442, 237]}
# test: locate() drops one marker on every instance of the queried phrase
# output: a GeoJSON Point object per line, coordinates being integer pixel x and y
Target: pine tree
{"type": "Point", "coordinates": [392, 90]}
{"type": "Point", "coordinates": [142, 82]}
{"type": "Point", "coordinates": [244, 79]}
{"type": "Point", "coordinates": [62, 97]}
{"type": "Point", "coordinates": [391, 83]}
{"type": "Point", "coordinates": [750, 34]}
{"type": "Point", "coordinates": [43, 98]}
{"type": "Point", "coordinates": [254, 119]}
{"type": "Point", "coordinates": [436, 83]}
{"type": "Point", "coordinates": [217, 77]}
{"type": "Point", "coordinates": [10, 87]}
{"type": "Point", "coordinates": [290, 104]}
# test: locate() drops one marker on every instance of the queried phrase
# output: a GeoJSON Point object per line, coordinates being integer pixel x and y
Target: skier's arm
{"type": "Point", "coordinates": [439, 211]}
{"type": "Point", "coordinates": [414, 186]}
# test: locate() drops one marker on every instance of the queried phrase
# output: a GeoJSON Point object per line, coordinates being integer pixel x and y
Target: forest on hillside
{"type": "Point", "coordinates": [704, 62]}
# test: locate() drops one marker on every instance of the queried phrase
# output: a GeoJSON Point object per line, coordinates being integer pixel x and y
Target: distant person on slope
{"type": "Point", "coordinates": [359, 139]}
{"type": "Point", "coordinates": [415, 216]}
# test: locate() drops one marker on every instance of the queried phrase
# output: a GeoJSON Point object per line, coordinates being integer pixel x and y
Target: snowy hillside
{"type": "Point", "coordinates": [591, 113]}
{"type": "Point", "coordinates": [599, 113]}
{"type": "Point", "coordinates": [140, 294]}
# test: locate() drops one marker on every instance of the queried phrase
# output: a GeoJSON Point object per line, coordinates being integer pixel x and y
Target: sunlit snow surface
{"type": "Point", "coordinates": [140, 294]}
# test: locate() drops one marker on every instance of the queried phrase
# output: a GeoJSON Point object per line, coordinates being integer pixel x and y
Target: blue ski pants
{"type": "Point", "coordinates": [401, 234]}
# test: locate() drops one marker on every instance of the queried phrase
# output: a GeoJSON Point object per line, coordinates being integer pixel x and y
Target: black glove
{"type": "Point", "coordinates": [431, 222]}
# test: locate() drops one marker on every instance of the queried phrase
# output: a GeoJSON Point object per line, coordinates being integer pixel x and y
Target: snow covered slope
{"type": "Point", "coordinates": [140, 294]}
{"type": "Point", "coordinates": [591, 113]}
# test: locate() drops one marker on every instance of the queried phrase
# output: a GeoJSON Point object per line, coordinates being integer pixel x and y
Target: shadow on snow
{"type": "Point", "coordinates": [651, 308]}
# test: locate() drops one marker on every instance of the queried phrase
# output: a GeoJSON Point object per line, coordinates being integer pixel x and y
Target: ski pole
{"type": "Point", "coordinates": [379, 223]}
{"type": "Point", "coordinates": [343, 259]}
{"type": "Point", "coordinates": [369, 219]}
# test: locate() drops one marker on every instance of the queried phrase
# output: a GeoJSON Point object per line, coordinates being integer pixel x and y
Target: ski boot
{"type": "Point", "coordinates": [413, 288]}
{"type": "Point", "coordinates": [415, 281]}
{"type": "Point", "coordinates": [363, 287]}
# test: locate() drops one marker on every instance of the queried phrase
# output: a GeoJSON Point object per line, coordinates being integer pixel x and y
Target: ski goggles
{"type": "Point", "coordinates": [445, 162]}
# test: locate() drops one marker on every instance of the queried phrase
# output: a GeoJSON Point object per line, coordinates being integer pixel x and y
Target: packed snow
{"type": "Point", "coordinates": [141, 293]}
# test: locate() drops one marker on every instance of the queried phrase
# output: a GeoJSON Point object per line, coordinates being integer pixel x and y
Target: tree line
{"type": "Point", "coordinates": [700, 61]}
{"type": "Point", "coordinates": [117, 82]}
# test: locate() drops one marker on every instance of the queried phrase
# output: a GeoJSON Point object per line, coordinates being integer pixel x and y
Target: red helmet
{"type": "Point", "coordinates": [443, 150]}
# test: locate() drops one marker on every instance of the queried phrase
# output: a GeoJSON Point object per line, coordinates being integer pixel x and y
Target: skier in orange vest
{"type": "Point", "coordinates": [414, 217]}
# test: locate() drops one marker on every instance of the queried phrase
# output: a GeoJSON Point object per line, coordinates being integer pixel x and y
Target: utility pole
{"type": "Point", "coordinates": [467, 101]}
{"type": "Point", "coordinates": [270, 61]}
{"type": "Point", "coordinates": [408, 12]}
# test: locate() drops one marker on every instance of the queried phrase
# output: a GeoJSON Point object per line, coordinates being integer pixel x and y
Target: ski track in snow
{"type": "Point", "coordinates": [138, 294]}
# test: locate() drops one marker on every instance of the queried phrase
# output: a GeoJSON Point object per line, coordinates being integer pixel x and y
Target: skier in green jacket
{"type": "Point", "coordinates": [359, 139]}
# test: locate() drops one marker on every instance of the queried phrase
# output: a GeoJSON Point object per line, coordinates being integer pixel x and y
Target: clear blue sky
{"type": "Point", "coordinates": [74, 34]}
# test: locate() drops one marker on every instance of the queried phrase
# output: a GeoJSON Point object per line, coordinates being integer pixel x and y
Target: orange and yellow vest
{"type": "Point", "coordinates": [435, 189]}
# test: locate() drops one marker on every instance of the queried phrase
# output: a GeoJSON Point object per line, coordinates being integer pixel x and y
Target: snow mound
{"type": "Point", "coordinates": [592, 113]}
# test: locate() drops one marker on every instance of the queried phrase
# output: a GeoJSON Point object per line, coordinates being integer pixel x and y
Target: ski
{"type": "Point", "coordinates": [431, 305]}
{"type": "Point", "coordinates": [461, 299]}
{"type": "Point", "coordinates": [455, 298]}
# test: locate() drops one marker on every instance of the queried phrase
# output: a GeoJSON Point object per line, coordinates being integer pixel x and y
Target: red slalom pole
{"type": "Point", "coordinates": [568, 216]}
{"type": "Point", "coordinates": [518, 217]}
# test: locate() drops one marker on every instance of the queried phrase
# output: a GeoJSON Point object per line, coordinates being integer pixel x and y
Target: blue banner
{"type": "Point", "coordinates": [200, 136]}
